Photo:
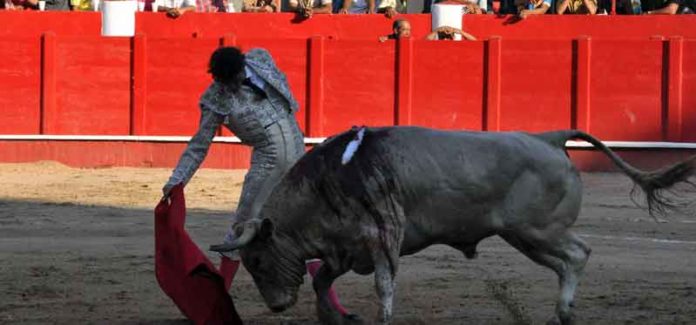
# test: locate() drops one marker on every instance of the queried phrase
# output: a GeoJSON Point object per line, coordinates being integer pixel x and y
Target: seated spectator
{"type": "Point", "coordinates": [261, 6]}
{"type": "Point", "coordinates": [532, 7]}
{"type": "Point", "coordinates": [307, 8]}
{"type": "Point", "coordinates": [176, 8]}
{"type": "Point", "coordinates": [357, 7]}
{"type": "Point", "coordinates": [507, 7]}
{"type": "Point", "coordinates": [582, 7]}
{"type": "Point", "coordinates": [401, 28]}
{"type": "Point", "coordinates": [672, 7]}
{"type": "Point", "coordinates": [81, 5]}
{"type": "Point", "coordinates": [387, 7]}
{"type": "Point", "coordinates": [34, 4]}
{"type": "Point", "coordinates": [472, 6]}
{"type": "Point", "coordinates": [210, 6]}
{"type": "Point", "coordinates": [14, 5]}
{"type": "Point", "coordinates": [448, 33]}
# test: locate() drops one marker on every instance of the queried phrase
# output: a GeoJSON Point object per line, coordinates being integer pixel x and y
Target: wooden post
{"type": "Point", "coordinates": [138, 84]}
{"type": "Point", "coordinates": [404, 81]}
{"type": "Point", "coordinates": [582, 84]}
{"type": "Point", "coordinates": [48, 84]}
{"type": "Point", "coordinates": [491, 120]}
{"type": "Point", "coordinates": [315, 89]}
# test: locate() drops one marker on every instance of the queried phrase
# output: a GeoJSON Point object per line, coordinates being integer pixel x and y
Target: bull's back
{"type": "Point", "coordinates": [454, 186]}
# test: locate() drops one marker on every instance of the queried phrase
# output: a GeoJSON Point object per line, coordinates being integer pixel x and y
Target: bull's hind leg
{"type": "Point", "coordinates": [564, 253]}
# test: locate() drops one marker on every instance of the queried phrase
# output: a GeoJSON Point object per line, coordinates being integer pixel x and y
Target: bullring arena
{"type": "Point", "coordinates": [77, 247]}
{"type": "Point", "coordinates": [91, 126]}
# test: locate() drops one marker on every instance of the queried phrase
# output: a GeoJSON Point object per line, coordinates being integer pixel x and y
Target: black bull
{"type": "Point", "coordinates": [407, 188]}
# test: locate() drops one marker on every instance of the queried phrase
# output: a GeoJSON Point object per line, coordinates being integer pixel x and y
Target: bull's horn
{"type": "Point", "coordinates": [246, 236]}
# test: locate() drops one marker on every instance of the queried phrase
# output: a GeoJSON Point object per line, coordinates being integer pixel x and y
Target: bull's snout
{"type": "Point", "coordinates": [280, 301]}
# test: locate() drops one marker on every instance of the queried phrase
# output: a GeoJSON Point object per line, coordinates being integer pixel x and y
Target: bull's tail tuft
{"type": "Point", "coordinates": [656, 185]}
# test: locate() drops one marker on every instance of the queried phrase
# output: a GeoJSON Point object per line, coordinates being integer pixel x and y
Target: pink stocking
{"type": "Point", "coordinates": [228, 268]}
{"type": "Point", "coordinates": [312, 269]}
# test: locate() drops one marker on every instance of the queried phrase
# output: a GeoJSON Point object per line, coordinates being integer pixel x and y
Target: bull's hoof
{"type": "Point", "coordinates": [567, 320]}
{"type": "Point", "coordinates": [553, 321]}
{"type": "Point", "coordinates": [352, 319]}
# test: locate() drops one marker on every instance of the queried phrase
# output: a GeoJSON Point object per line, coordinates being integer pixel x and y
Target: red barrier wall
{"type": "Point", "coordinates": [60, 77]}
{"type": "Point", "coordinates": [286, 25]}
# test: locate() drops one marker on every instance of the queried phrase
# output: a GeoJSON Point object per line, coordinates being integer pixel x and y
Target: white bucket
{"type": "Point", "coordinates": [448, 15]}
{"type": "Point", "coordinates": [118, 18]}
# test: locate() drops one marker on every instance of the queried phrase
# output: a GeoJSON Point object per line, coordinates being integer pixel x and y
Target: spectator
{"type": "Point", "coordinates": [14, 5]}
{"type": "Point", "coordinates": [176, 8]}
{"type": "Point", "coordinates": [261, 6]}
{"type": "Point", "coordinates": [210, 6]}
{"type": "Point", "coordinates": [532, 7]}
{"type": "Point", "coordinates": [231, 5]}
{"type": "Point", "coordinates": [358, 7]}
{"type": "Point", "coordinates": [80, 5]}
{"type": "Point", "coordinates": [401, 28]}
{"type": "Point", "coordinates": [670, 7]}
{"type": "Point", "coordinates": [307, 8]}
{"type": "Point", "coordinates": [50, 4]}
{"type": "Point", "coordinates": [576, 7]}
{"type": "Point", "coordinates": [472, 6]}
{"type": "Point", "coordinates": [448, 33]}
{"type": "Point", "coordinates": [388, 8]}
{"type": "Point", "coordinates": [507, 7]}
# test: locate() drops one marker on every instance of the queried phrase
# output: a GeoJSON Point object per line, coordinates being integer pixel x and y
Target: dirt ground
{"type": "Point", "coordinates": [76, 247]}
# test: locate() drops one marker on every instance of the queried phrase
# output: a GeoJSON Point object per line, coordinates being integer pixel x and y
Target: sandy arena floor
{"type": "Point", "coordinates": [76, 247]}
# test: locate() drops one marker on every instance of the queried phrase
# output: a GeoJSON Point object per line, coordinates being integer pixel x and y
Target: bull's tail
{"type": "Point", "coordinates": [653, 183]}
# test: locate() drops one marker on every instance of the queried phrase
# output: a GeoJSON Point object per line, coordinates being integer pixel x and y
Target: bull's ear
{"type": "Point", "coordinates": [266, 229]}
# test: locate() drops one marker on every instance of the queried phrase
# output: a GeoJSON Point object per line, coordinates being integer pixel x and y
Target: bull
{"type": "Point", "coordinates": [365, 197]}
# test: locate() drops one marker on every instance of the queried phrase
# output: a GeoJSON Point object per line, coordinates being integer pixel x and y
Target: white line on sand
{"type": "Point", "coordinates": [643, 239]}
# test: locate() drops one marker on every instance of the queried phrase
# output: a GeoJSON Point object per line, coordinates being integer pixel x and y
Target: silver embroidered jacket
{"type": "Point", "coordinates": [243, 113]}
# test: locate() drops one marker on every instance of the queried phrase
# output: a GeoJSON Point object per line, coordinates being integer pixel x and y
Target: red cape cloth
{"type": "Point", "coordinates": [184, 273]}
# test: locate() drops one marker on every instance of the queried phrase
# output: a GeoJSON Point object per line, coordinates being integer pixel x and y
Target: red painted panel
{"type": "Point", "coordinates": [115, 153]}
{"type": "Point", "coordinates": [20, 78]}
{"type": "Point", "coordinates": [626, 90]}
{"type": "Point", "coordinates": [371, 26]}
{"type": "Point", "coordinates": [291, 57]}
{"type": "Point", "coordinates": [92, 86]}
{"type": "Point", "coordinates": [286, 25]}
{"type": "Point", "coordinates": [34, 23]}
{"type": "Point", "coordinates": [448, 84]}
{"type": "Point", "coordinates": [235, 156]}
{"type": "Point", "coordinates": [596, 161]}
{"type": "Point", "coordinates": [176, 78]}
{"type": "Point", "coordinates": [535, 85]}
{"type": "Point", "coordinates": [572, 26]}
{"type": "Point", "coordinates": [689, 92]}
{"type": "Point", "coordinates": [274, 26]}
{"type": "Point", "coordinates": [358, 84]}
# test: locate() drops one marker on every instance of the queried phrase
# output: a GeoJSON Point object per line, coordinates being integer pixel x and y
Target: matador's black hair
{"type": "Point", "coordinates": [226, 63]}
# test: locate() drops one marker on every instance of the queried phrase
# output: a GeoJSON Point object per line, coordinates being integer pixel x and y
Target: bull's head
{"type": "Point", "coordinates": [277, 272]}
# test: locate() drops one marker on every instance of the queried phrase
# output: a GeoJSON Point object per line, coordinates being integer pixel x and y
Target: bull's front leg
{"type": "Point", "coordinates": [385, 285]}
{"type": "Point", "coordinates": [326, 312]}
